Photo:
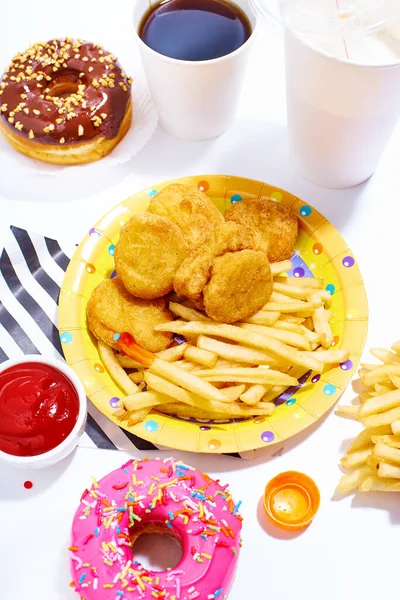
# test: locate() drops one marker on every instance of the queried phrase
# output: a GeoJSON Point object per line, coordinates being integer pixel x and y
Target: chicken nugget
{"type": "Point", "coordinates": [228, 276]}
{"type": "Point", "coordinates": [240, 284]}
{"type": "Point", "coordinates": [195, 270]}
{"type": "Point", "coordinates": [190, 209]}
{"type": "Point", "coordinates": [148, 254]}
{"type": "Point", "coordinates": [276, 223]}
{"type": "Point", "coordinates": [111, 310]}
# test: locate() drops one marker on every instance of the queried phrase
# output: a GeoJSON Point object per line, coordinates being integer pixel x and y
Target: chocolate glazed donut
{"type": "Point", "coordinates": [65, 101]}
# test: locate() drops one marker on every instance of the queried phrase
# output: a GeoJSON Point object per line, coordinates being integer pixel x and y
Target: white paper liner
{"type": "Point", "coordinates": [144, 123]}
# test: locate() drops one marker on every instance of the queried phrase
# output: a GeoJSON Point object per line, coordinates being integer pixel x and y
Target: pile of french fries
{"type": "Point", "coordinates": [374, 455]}
{"type": "Point", "coordinates": [230, 371]}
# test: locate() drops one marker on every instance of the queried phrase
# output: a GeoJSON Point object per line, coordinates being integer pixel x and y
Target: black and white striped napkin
{"type": "Point", "coordinates": [32, 269]}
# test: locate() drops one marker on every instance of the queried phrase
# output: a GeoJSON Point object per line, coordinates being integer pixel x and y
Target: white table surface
{"type": "Point", "coordinates": [351, 550]}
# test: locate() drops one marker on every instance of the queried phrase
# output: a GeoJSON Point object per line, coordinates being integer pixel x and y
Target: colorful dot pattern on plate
{"type": "Point", "coordinates": [151, 426]}
{"type": "Point", "coordinates": [330, 288]}
{"type": "Point", "coordinates": [348, 261]}
{"type": "Point", "coordinates": [114, 402]}
{"type": "Point", "coordinates": [305, 211]}
{"type": "Point", "coordinates": [290, 401]}
{"type": "Point", "coordinates": [267, 437]}
{"type": "Point", "coordinates": [214, 445]}
{"type": "Point", "coordinates": [346, 365]}
{"type": "Point", "coordinates": [66, 337]}
{"type": "Point", "coordinates": [94, 231]}
{"type": "Point", "coordinates": [276, 196]}
{"type": "Point", "coordinates": [203, 186]}
{"type": "Point", "coordinates": [324, 256]}
{"type": "Point", "coordinates": [329, 389]}
{"type": "Point", "coordinates": [28, 485]}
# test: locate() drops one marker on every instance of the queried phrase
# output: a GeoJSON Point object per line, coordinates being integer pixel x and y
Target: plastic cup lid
{"type": "Point", "coordinates": [291, 500]}
{"type": "Point", "coordinates": [360, 31]}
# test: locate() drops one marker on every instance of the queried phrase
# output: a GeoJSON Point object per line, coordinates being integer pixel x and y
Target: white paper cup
{"type": "Point", "coordinates": [342, 83]}
{"type": "Point", "coordinates": [71, 441]}
{"type": "Point", "coordinates": [340, 115]}
{"type": "Point", "coordinates": [195, 100]}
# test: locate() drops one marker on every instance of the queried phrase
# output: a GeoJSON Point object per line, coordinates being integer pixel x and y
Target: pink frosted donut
{"type": "Point", "coordinates": [147, 495]}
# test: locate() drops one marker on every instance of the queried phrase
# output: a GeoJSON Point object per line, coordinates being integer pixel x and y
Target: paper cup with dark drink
{"type": "Point", "coordinates": [342, 84]}
{"type": "Point", "coordinates": [194, 54]}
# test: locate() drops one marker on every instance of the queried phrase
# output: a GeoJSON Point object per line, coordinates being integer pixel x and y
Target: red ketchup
{"type": "Point", "coordinates": [39, 407]}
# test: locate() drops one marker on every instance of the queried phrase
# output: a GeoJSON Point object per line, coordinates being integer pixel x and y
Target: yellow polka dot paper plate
{"type": "Point", "coordinates": [320, 252]}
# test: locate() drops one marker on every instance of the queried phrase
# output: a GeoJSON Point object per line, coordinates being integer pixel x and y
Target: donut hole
{"type": "Point", "coordinates": [155, 546]}
{"type": "Point", "coordinates": [64, 85]}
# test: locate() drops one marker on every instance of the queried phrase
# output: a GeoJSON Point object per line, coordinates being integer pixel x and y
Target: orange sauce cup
{"type": "Point", "coordinates": [291, 500]}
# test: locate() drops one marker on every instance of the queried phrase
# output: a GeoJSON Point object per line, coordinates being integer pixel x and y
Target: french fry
{"type": "Point", "coordinates": [292, 319]}
{"type": "Point", "coordinates": [239, 354]}
{"type": "Point", "coordinates": [287, 326]}
{"type": "Point", "coordinates": [288, 337]}
{"type": "Point", "coordinates": [308, 282]}
{"type": "Point", "coordinates": [144, 400]}
{"type": "Point", "coordinates": [278, 297]}
{"type": "Point", "coordinates": [189, 314]}
{"type": "Point", "coordinates": [127, 362]}
{"type": "Point", "coordinates": [391, 455]}
{"type": "Point", "coordinates": [115, 370]}
{"type": "Point", "coordinates": [385, 356]}
{"type": "Point", "coordinates": [314, 338]}
{"type": "Point", "coordinates": [280, 267]}
{"type": "Point", "coordinates": [395, 381]}
{"type": "Point", "coordinates": [326, 297]}
{"type": "Point", "coordinates": [383, 389]}
{"type": "Point", "coordinates": [364, 437]}
{"type": "Point", "coordinates": [231, 411]}
{"type": "Point", "coordinates": [332, 357]}
{"type": "Point", "coordinates": [248, 375]}
{"type": "Point", "coordinates": [186, 397]}
{"type": "Point", "coordinates": [389, 440]}
{"type": "Point", "coordinates": [380, 404]}
{"type": "Point", "coordinates": [388, 471]}
{"type": "Point", "coordinates": [173, 353]}
{"type": "Point", "coordinates": [253, 395]}
{"type": "Point", "coordinates": [263, 317]}
{"type": "Point", "coordinates": [320, 320]}
{"type": "Point", "coordinates": [233, 392]}
{"type": "Point", "coordinates": [364, 396]}
{"type": "Point", "coordinates": [357, 458]}
{"type": "Point", "coordinates": [201, 356]}
{"type": "Point", "coordinates": [348, 412]}
{"type": "Point", "coordinates": [137, 416]}
{"type": "Point", "coordinates": [238, 334]}
{"type": "Point", "coordinates": [292, 307]}
{"type": "Point", "coordinates": [396, 347]}
{"type": "Point", "coordinates": [186, 380]}
{"type": "Point", "coordinates": [274, 392]}
{"type": "Point", "coordinates": [369, 366]}
{"type": "Point", "coordinates": [385, 418]}
{"type": "Point", "coordinates": [162, 386]}
{"type": "Point", "coordinates": [380, 375]}
{"type": "Point", "coordinates": [396, 427]}
{"type": "Point", "coordinates": [294, 291]}
{"type": "Point", "coordinates": [373, 462]}
{"type": "Point", "coordinates": [353, 480]}
{"type": "Point", "coordinates": [187, 365]}
{"type": "Point", "coordinates": [378, 484]}
{"type": "Point", "coordinates": [136, 377]}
